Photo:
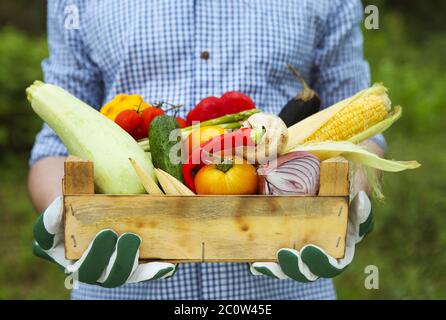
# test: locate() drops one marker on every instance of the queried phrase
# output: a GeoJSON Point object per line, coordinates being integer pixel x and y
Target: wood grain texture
{"type": "Point", "coordinates": [78, 177]}
{"type": "Point", "coordinates": [209, 228]}
{"type": "Point", "coordinates": [334, 177]}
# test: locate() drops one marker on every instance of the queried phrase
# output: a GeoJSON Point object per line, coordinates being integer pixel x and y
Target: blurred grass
{"type": "Point", "coordinates": [22, 276]}
{"type": "Point", "coordinates": [410, 229]}
{"type": "Point", "coordinates": [407, 244]}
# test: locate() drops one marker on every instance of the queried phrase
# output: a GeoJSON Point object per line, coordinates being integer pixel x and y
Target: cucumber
{"type": "Point", "coordinates": [161, 145]}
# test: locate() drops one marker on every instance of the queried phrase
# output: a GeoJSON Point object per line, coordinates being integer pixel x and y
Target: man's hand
{"type": "Point", "coordinates": [312, 262]}
{"type": "Point", "coordinates": [109, 261]}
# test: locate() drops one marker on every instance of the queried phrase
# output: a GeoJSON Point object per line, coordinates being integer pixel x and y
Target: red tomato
{"type": "Point", "coordinates": [181, 122]}
{"type": "Point", "coordinates": [140, 132]}
{"type": "Point", "coordinates": [146, 118]}
{"type": "Point", "coordinates": [128, 120]}
{"type": "Point", "coordinates": [234, 102]}
{"type": "Point", "coordinates": [137, 123]}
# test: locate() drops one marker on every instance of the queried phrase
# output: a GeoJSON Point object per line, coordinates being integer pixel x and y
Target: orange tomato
{"type": "Point", "coordinates": [226, 179]}
{"type": "Point", "coordinates": [202, 135]}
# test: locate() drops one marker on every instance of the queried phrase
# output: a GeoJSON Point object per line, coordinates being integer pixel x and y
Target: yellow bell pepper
{"type": "Point", "coordinates": [123, 102]}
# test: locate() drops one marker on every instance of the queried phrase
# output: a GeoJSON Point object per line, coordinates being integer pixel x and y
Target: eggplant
{"type": "Point", "coordinates": [303, 105]}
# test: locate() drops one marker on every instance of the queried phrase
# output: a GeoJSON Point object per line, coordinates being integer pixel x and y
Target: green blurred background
{"type": "Point", "coordinates": [407, 53]}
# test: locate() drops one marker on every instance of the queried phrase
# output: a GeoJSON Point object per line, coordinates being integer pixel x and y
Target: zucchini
{"type": "Point", "coordinates": [90, 135]}
{"type": "Point", "coordinates": [161, 145]}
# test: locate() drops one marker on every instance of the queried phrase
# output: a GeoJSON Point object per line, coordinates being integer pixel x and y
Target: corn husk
{"type": "Point", "coordinates": [350, 151]}
{"type": "Point", "coordinates": [361, 159]}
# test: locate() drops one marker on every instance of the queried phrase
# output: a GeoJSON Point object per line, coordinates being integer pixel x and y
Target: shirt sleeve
{"type": "Point", "coordinates": [339, 68]}
{"type": "Point", "coordinates": [68, 66]}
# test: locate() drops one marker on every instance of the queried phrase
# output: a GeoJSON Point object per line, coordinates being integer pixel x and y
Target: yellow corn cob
{"type": "Point", "coordinates": [355, 119]}
{"type": "Point", "coordinates": [357, 116]}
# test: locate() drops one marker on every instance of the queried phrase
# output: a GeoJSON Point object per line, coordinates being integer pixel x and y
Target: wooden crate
{"type": "Point", "coordinates": [208, 228]}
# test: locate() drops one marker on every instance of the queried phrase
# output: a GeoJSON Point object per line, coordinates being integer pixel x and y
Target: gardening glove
{"type": "Point", "coordinates": [109, 261]}
{"type": "Point", "coordinates": [312, 262]}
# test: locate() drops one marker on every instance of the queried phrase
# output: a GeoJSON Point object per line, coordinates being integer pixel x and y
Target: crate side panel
{"type": "Point", "coordinates": [209, 228]}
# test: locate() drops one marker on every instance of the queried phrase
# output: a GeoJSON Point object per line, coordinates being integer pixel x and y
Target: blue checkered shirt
{"type": "Point", "coordinates": [155, 48]}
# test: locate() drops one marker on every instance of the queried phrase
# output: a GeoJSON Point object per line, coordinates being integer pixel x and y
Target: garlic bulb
{"type": "Point", "coordinates": [273, 141]}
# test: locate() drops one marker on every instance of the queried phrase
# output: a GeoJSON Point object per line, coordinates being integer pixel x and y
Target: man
{"type": "Point", "coordinates": [182, 51]}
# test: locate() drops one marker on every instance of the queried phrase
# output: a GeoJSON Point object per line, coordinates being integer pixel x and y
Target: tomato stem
{"type": "Point", "coordinates": [175, 107]}
{"type": "Point", "coordinates": [224, 166]}
{"type": "Point", "coordinates": [138, 106]}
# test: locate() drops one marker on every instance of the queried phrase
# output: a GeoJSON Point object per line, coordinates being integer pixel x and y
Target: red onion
{"type": "Point", "coordinates": [295, 173]}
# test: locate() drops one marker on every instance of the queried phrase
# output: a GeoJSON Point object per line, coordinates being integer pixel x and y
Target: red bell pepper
{"type": "Point", "coordinates": [201, 156]}
{"type": "Point", "coordinates": [213, 107]}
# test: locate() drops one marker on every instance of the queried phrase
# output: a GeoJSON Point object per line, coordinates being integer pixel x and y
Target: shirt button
{"type": "Point", "coordinates": [204, 55]}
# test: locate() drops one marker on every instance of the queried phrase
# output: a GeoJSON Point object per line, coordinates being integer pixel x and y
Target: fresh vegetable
{"type": "Point", "coordinates": [182, 123]}
{"type": "Point", "coordinates": [227, 179]}
{"type": "Point", "coordinates": [207, 108]}
{"type": "Point", "coordinates": [144, 144]}
{"type": "Point", "coordinates": [231, 140]}
{"type": "Point", "coordinates": [147, 117]}
{"type": "Point", "coordinates": [123, 102]}
{"type": "Point", "coordinates": [165, 183]}
{"type": "Point", "coordinates": [211, 150]}
{"type": "Point", "coordinates": [202, 135]}
{"type": "Point", "coordinates": [213, 107]}
{"type": "Point", "coordinates": [295, 173]}
{"type": "Point", "coordinates": [263, 137]}
{"type": "Point", "coordinates": [91, 136]}
{"type": "Point", "coordinates": [180, 187]}
{"type": "Point", "coordinates": [355, 153]}
{"type": "Point", "coordinates": [137, 123]}
{"type": "Point", "coordinates": [161, 145]}
{"type": "Point", "coordinates": [185, 133]}
{"type": "Point", "coordinates": [231, 121]}
{"type": "Point", "coordinates": [345, 119]}
{"type": "Point", "coordinates": [226, 119]}
{"type": "Point", "coordinates": [147, 181]}
{"type": "Point", "coordinates": [305, 104]}
{"type": "Point", "coordinates": [234, 102]}
{"type": "Point", "coordinates": [381, 126]}
{"type": "Point", "coordinates": [231, 125]}
{"type": "Point", "coordinates": [273, 141]}
{"type": "Point", "coordinates": [360, 157]}
{"type": "Point", "coordinates": [128, 120]}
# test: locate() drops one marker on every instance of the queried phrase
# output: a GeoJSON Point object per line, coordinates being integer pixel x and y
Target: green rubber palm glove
{"type": "Point", "coordinates": [311, 262]}
{"type": "Point", "coordinates": [109, 261]}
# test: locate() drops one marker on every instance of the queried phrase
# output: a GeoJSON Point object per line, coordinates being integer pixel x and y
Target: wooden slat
{"type": "Point", "coordinates": [78, 177]}
{"type": "Point", "coordinates": [334, 178]}
{"type": "Point", "coordinates": [209, 228]}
